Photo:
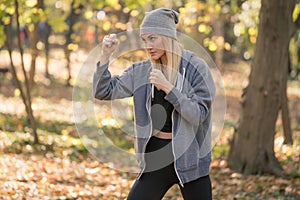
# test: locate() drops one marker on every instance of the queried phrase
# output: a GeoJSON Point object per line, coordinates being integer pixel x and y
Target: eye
{"type": "Point", "coordinates": [152, 38]}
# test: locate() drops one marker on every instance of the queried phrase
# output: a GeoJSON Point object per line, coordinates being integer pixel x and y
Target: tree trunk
{"type": "Point", "coordinates": [285, 114]}
{"type": "Point", "coordinates": [219, 33]}
{"type": "Point", "coordinates": [34, 49]}
{"type": "Point", "coordinates": [25, 92]}
{"type": "Point", "coordinates": [252, 147]}
{"type": "Point", "coordinates": [72, 19]}
{"type": "Point", "coordinates": [47, 48]}
{"type": "Point", "coordinates": [286, 121]}
{"type": "Point", "coordinates": [218, 27]}
{"type": "Point", "coordinates": [34, 54]}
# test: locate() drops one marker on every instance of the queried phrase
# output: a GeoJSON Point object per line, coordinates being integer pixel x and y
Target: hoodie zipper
{"type": "Point", "coordinates": [144, 148]}
{"type": "Point", "coordinates": [181, 88]}
{"type": "Point", "coordinates": [173, 151]}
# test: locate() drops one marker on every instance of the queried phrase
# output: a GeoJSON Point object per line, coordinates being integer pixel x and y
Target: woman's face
{"type": "Point", "coordinates": [154, 45]}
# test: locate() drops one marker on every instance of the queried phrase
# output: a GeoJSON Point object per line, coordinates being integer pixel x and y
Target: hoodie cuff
{"type": "Point", "coordinates": [174, 96]}
{"type": "Point", "coordinates": [101, 67]}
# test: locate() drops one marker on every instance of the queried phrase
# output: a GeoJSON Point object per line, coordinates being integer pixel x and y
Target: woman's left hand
{"type": "Point", "coordinates": [158, 79]}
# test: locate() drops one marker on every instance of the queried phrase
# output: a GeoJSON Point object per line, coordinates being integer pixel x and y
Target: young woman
{"type": "Point", "coordinates": [173, 94]}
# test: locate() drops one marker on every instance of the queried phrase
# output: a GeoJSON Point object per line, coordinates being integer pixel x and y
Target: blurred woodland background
{"type": "Point", "coordinates": [44, 43]}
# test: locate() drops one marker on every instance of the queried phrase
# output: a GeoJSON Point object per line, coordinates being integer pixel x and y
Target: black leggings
{"type": "Point", "coordinates": [154, 184]}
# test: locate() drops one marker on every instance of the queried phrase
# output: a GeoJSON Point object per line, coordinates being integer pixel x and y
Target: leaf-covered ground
{"type": "Point", "coordinates": [61, 168]}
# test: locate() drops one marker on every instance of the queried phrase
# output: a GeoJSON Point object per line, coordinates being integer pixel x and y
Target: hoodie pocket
{"type": "Point", "coordinates": [190, 158]}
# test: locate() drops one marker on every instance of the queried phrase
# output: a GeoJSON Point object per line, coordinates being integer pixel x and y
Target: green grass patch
{"type": "Point", "coordinates": [220, 151]}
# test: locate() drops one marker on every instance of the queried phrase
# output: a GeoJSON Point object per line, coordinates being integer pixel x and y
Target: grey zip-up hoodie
{"type": "Point", "coordinates": [192, 98]}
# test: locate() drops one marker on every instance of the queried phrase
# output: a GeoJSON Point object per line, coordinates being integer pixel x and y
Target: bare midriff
{"type": "Point", "coordinates": [162, 135]}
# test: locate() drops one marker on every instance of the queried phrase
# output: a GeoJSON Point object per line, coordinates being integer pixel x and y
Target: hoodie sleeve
{"type": "Point", "coordinates": [106, 87]}
{"type": "Point", "coordinates": [195, 101]}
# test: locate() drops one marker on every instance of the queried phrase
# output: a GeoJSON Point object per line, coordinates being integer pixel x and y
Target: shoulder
{"type": "Point", "coordinates": [138, 66]}
{"type": "Point", "coordinates": [194, 63]}
{"type": "Point", "coordinates": [193, 59]}
{"type": "Point", "coordinates": [143, 63]}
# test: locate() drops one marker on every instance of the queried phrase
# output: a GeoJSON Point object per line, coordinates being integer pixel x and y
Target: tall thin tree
{"type": "Point", "coordinates": [34, 41]}
{"type": "Point", "coordinates": [73, 18]}
{"type": "Point", "coordinates": [24, 90]}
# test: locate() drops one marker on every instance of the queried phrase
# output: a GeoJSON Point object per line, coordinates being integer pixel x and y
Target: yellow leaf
{"type": "Point", "coordinates": [201, 28]}
{"type": "Point", "coordinates": [9, 10]}
{"type": "Point", "coordinates": [40, 45]}
{"type": "Point", "coordinates": [206, 42]}
{"type": "Point", "coordinates": [106, 25]}
{"type": "Point", "coordinates": [6, 20]}
{"type": "Point", "coordinates": [17, 92]}
{"type": "Point", "coordinates": [227, 46]}
{"type": "Point", "coordinates": [112, 2]}
{"type": "Point", "coordinates": [76, 142]}
{"type": "Point", "coordinates": [73, 47]}
{"type": "Point", "coordinates": [131, 150]}
{"type": "Point", "coordinates": [64, 132]}
{"type": "Point", "coordinates": [296, 12]}
{"type": "Point", "coordinates": [117, 6]}
{"type": "Point", "coordinates": [212, 46]}
{"type": "Point", "coordinates": [218, 8]}
{"type": "Point", "coordinates": [253, 39]}
{"type": "Point", "coordinates": [134, 13]}
{"type": "Point", "coordinates": [31, 3]}
{"type": "Point", "coordinates": [88, 14]}
{"type": "Point", "coordinates": [252, 31]}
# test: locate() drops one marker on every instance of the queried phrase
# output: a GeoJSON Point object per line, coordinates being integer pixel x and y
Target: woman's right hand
{"type": "Point", "coordinates": [109, 44]}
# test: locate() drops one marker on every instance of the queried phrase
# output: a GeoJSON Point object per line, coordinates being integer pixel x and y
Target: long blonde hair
{"type": "Point", "coordinates": [173, 53]}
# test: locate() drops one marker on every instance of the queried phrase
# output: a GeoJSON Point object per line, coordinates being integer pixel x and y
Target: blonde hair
{"type": "Point", "coordinates": [173, 53]}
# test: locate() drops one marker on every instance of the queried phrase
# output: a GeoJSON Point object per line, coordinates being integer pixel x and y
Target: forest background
{"type": "Point", "coordinates": [44, 45]}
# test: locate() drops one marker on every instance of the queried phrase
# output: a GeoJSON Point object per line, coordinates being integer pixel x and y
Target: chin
{"type": "Point", "coordinates": [155, 57]}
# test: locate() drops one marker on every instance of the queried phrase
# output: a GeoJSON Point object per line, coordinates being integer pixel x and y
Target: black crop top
{"type": "Point", "coordinates": [161, 112]}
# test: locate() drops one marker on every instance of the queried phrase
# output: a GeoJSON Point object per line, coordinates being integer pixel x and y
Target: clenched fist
{"type": "Point", "coordinates": [109, 45]}
{"type": "Point", "coordinates": [158, 79]}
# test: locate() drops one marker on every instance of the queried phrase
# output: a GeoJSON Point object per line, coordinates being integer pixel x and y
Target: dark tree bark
{"type": "Point", "coordinates": [285, 115]}
{"type": "Point", "coordinates": [252, 147]}
{"type": "Point", "coordinates": [72, 19]}
{"type": "Point", "coordinates": [47, 48]}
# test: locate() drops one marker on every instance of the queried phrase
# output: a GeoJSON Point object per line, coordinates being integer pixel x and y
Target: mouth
{"type": "Point", "coordinates": [152, 53]}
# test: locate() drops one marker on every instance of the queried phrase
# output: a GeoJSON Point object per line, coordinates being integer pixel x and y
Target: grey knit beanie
{"type": "Point", "coordinates": [161, 21]}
